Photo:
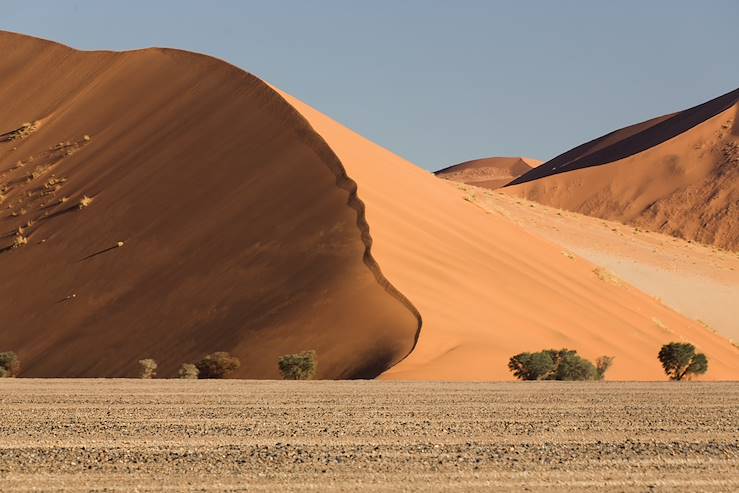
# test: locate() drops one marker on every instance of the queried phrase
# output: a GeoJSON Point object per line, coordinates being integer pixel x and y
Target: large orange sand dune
{"type": "Point", "coordinates": [242, 232]}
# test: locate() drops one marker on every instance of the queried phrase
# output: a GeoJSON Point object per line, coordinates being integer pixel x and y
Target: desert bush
{"type": "Point", "coordinates": [552, 364]}
{"type": "Point", "coordinates": [10, 365]}
{"type": "Point", "coordinates": [531, 366]}
{"type": "Point", "coordinates": [217, 365]}
{"type": "Point", "coordinates": [188, 371]}
{"type": "Point", "coordinates": [680, 360]}
{"type": "Point", "coordinates": [571, 366]}
{"type": "Point", "coordinates": [148, 368]}
{"type": "Point", "coordinates": [300, 366]}
{"type": "Point", "coordinates": [602, 364]}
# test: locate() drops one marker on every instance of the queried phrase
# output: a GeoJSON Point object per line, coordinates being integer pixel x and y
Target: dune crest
{"type": "Point", "coordinates": [677, 174]}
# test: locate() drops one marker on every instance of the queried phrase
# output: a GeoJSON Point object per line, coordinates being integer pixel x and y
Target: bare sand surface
{"type": "Point", "coordinates": [126, 435]}
{"type": "Point", "coordinates": [699, 281]}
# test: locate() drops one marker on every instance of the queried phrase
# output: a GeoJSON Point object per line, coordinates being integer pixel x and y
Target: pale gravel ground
{"type": "Point", "coordinates": [129, 435]}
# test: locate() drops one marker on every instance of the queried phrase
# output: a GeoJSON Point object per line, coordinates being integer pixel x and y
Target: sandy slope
{"type": "Point", "coordinates": [698, 281]}
{"type": "Point", "coordinates": [486, 289]}
{"type": "Point", "coordinates": [677, 174]}
{"type": "Point", "coordinates": [491, 172]}
{"type": "Point", "coordinates": [240, 233]}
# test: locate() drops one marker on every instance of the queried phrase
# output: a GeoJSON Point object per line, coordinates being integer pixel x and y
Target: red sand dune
{"type": "Point", "coordinates": [491, 172]}
{"type": "Point", "coordinates": [240, 231]}
{"type": "Point", "coordinates": [244, 231]}
{"type": "Point", "coordinates": [676, 174]}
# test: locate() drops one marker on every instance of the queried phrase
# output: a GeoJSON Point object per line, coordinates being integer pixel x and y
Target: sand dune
{"type": "Point", "coordinates": [676, 174]}
{"type": "Point", "coordinates": [486, 289]}
{"type": "Point", "coordinates": [251, 227]}
{"type": "Point", "coordinates": [239, 233]}
{"type": "Point", "coordinates": [492, 172]}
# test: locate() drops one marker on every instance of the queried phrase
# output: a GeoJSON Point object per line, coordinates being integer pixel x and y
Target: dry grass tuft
{"type": "Point", "coordinates": [606, 276]}
{"type": "Point", "coordinates": [85, 201]}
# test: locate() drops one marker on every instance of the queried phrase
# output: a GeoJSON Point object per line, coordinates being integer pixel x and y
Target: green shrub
{"type": "Point", "coordinates": [552, 364]}
{"type": "Point", "coordinates": [217, 365]}
{"type": "Point", "coordinates": [148, 368]}
{"type": "Point", "coordinates": [602, 364]}
{"type": "Point", "coordinates": [300, 366]}
{"type": "Point", "coordinates": [680, 360]}
{"type": "Point", "coordinates": [571, 366]}
{"type": "Point", "coordinates": [531, 366]}
{"type": "Point", "coordinates": [188, 371]}
{"type": "Point", "coordinates": [9, 364]}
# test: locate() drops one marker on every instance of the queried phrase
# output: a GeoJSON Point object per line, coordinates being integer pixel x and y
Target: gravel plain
{"type": "Point", "coordinates": [133, 435]}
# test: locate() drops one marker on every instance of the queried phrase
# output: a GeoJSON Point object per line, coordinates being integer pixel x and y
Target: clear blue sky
{"type": "Point", "coordinates": [439, 82]}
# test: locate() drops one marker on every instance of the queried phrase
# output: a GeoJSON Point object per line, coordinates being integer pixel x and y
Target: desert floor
{"type": "Point", "coordinates": [123, 435]}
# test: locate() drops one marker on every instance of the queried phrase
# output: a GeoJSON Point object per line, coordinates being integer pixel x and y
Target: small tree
{"type": "Point", "coordinates": [552, 364]}
{"type": "Point", "coordinates": [602, 364]}
{"type": "Point", "coordinates": [571, 366]}
{"type": "Point", "coordinates": [531, 366]}
{"type": "Point", "coordinates": [300, 366]}
{"type": "Point", "coordinates": [188, 371]}
{"type": "Point", "coordinates": [680, 360]}
{"type": "Point", "coordinates": [148, 368]}
{"type": "Point", "coordinates": [10, 365]}
{"type": "Point", "coordinates": [217, 365]}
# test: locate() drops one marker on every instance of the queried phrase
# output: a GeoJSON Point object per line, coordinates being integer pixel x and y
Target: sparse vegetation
{"type": "Point", "coordinates": [19, 240]}
{"type": "Point", "coordinates": [217, 365]}
{"type": "Point", "coordinates": [10, 365]}
{"type": "Point", "coordinates": [552, 364]}
{"type": "Point", "coordinates": [680, 361]}
{"type": "Point", "coordinates": [300, 366]}
{"type": "Point", "coordinates": [85, 201]}
{"type": "Point", "coordinates": [602, 364]}
{"type": "Point", "coordinates": [24, 131]}
{"type": "Point", "coordinates": [606, 276]}
{"type": "Point", "coordinates": [148, 368]}
{"type": "Point", "coordinates": [188, 371]}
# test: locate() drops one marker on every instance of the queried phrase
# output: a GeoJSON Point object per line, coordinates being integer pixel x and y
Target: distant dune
{"type": "Point", "coordinates": [250, 222]}
{"type": "Point", "coordinates": [676, 174]}
{"type": "Point", "coordinates": [491, 172]}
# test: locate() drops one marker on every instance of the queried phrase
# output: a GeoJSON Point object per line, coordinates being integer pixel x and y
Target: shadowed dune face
{"type": "Point", "coordinates": [487, 289]}
{"type": "Point", "coordinates": [677, 174]}
{"type": "Point", "coordinates": [239, 233]}
{"type": "Point", "coordinates": [491, 173]}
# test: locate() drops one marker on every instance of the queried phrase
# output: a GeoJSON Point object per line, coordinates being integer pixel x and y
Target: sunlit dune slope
{"type": "Point", "coordinates": [487, 290]}
{"type": "Point", "coordinates": [240, 231]}
{"type": "Point", "coordinates": [676, 174]}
